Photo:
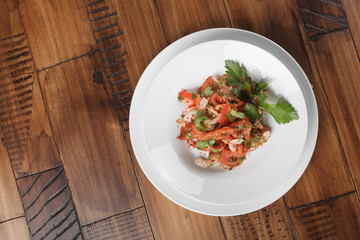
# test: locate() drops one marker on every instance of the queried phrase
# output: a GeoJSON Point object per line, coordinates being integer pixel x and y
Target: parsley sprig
{"type": "Point", "coordinates": [199, 118]}
{"type": "Point", "coordinates": [255, 97]}
{"type": "Point", "coordinates": [204, 144]}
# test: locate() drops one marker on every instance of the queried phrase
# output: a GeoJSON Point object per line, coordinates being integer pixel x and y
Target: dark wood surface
{"type": "Point", "coordinates": [67, 73]}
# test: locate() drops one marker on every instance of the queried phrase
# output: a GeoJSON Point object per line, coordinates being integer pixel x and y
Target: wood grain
{"type": "Point", "coordinates": [291, 36]}
{"type": "Point", "coordinates": [10, 20]}
{"type": "Point", "coordinates": [322, 17]}
{"type": "Point", "coordinates": [337, 218]}
{"type": "Point", "coordinates": [183, 17]}
{"type": "Point", "coordinates": [110, 39]}
{"type": "Point", "coordinates": [119, 52]}
{"type": "Point", "coordinates": [23, 119]}
{"type": "Point", "coordinates": [271, 222]}
{"type": "Point", "coordinates": [15, 229]}
{"type": "Point", "coordinates": [169, 220]}
{"type": "Point", "coordinates": [90, 140]}
{"type": "Point", "coordinates": [50, 212]}
{"type": "Point", "coordinates": [342, 86]}
{"type": "Point", "coordinates": [352, 12]}
{"type": "Point", "coordinates": [10, 203]}
{"type": "Point", "coordinates": [132, 225]}
{"type": "Point", "coordinates": [57, 30]}
{"type": "Point", "coordinates": [143, 34]}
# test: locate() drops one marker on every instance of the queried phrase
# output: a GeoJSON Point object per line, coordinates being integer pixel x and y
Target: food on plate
{"type": "Point", "coordinates": [225, 117]}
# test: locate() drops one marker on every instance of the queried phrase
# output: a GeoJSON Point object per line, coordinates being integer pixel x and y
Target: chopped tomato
{"type": "Point", "coordinates": [222, 119]}
{"type": "Point", "coordinates": [189, 99]}
{"type": "Point", "coordinates": [242, 149]}
{"type": "Point", "coordinates": [195, 131]}
{"type": "Point", "coordinates": [190, 131]}
{"type": "Point", "coordinates": [208, 82]}
{"type": "Point", "coordinates": [219, 99]}
{"type": "Point", "coordinates": [216, 99]}
{"type": "Point", "coordinates": [185, 132]}
{"type": "Point", "coordinates": [230, 158]}
{"type": "Point", "coordinates": [217, 147]}
{"type": "Point", "coordinates": [237, 103]}
{"type": "Point", "coordinates": [244, 126]}
{"type": "Point", "coordinates": [218, 134]}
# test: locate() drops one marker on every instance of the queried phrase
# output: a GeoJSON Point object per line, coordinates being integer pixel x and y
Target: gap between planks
{"type": "Point", "coordinates": [10, 219]}
{"type": "Point", "coordinates": [323, 200]}
{"type": "Point", "coordinates": [68, 60]}
{"type": "Point", "coordinates": [114, 215]}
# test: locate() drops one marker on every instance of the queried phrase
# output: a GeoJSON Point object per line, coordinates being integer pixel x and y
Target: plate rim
{"type": "Point", "coordinates": [136, 134]}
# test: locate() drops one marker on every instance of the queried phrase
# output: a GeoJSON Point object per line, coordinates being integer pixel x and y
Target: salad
{"type": "Point", "coordinates": [225, 117]}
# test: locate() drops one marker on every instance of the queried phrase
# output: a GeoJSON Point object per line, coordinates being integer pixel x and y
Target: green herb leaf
{"type": "Point", "coordinates": [233, 81]}
{"type": "Point", "coordinates": [207, 92]}
{"type": "Point", "coordinates": [247, 86]}
{"type": "Point", "coordinates": [232, 68]}
{"type": "Point", "coordinates": [204, 144]}
{"type": "Point", "coordinates": [282, 112]}
{"type": "Point", "coordinates": [180, 98]}
{"type": "Point", "coordinates": [262, 102]}
{"type": "Point", "coordinates": [234, 73]}
{"type": "Point", "coordinates": [236, 91]}
{"type": "Point", "coordinates": [261, 98]}
{"type": "Point", "coordinates": [252, 113]}
{"type": "Point", "coordinates": [243, 72]}
{"type": "Point", "coordinates": [199, 114]}
{"type": "Point", "coordinates": [243, 95]}
{"type": "Point", "coordinates": [198, 123]}
{"type": "Point", "coordinates": [234, 114]}
{"type": "Point", "coordinates": [258, 87]}
{"type": "Point", "coordinates": [193, 96]}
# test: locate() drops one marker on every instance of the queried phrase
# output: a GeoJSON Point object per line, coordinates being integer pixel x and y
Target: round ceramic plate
{"type": "Point", "coordinates": [269, 171]}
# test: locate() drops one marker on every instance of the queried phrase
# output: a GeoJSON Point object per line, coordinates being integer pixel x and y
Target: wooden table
{"type": "Point", "coordinates": [67, 73]}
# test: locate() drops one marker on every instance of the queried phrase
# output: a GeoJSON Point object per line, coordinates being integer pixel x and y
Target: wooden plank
{"type": "Point", "coordinates": [125, 46]}
{"type": "Point", "coordinates": [352, 12]}
{"type": "Point", "coordinates": [170, 221]}
{"type": "Point", "coordinates": [142, 41]}
{"type": "Point", "coordinates": [322, 17]}
{"type": "Point", "coordinates": [183, 17]}
{"type": "Point", "coordinates": [15, 229]}
{"type": "Point", "coordinates": [50, 212]}
{"type": "Point", "coordinates": [110, 39]}
{"type": "Point", "coordinates": [332, 219]}
{"type": "Point", "coordinates": [341, 82]}
{"type": "Point", "coordinates": [10, 20]}
{"type": "Point", "coordinates": [23, 119]}
{"type": "Point", "coordinates": [271, 222]}
{"type": "Point", "coordinates": [90, 140]}
{"type": "Point", "coordinates": [132, 225]}
{"type": "Point", "coordinates": [10, 203]}
{"type": "Point", "coordinates": [57, 30]}
{"type": "Point", "coordinates": [320, 180]}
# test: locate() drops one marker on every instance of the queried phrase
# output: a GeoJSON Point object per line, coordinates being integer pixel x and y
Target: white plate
{"type": "Point", "coordinates": [269, 172]}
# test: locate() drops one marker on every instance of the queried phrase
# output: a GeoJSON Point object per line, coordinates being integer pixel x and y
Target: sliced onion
{"type": "Point", "coordinates": [266, 135]}
{"type": "Point", "coordinates": [234, 143]}
{"type": "Point", "coordinates": [189, 113]}
{"type": "Point", "coordinates": [203, 103]}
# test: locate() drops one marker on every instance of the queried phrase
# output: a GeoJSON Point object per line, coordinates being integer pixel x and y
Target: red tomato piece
{"type": "Point", "coordinates": [196, 133]}
{"type": "Point", "coordinates": [189, 99]}
{"type": "Point", "coordinates": [230, 158]}
{"type": "Point", "coordinates": [208, 82]}
{"type": "Point", "coordinates": [244, 126]}
{"type": "Point", "coordinates": [218, 134]}
{"type": "Point", "coordinates": [215, 99]}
